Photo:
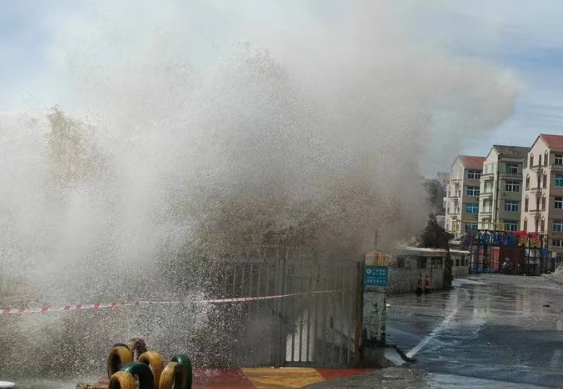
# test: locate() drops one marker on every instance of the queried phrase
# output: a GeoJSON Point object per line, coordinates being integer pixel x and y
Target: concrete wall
{"type": "Point", "coordinates": [460, 271]}
{"type": "Point", "coordinates": [410, 263]}
{"type": "Point", "coordinates": [406, 280]}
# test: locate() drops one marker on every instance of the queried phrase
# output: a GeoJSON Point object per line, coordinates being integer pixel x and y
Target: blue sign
{"type": "Point", "coordinates": [376, 276]}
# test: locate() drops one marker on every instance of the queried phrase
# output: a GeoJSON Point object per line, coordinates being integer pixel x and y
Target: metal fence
{"type": "Point", "coordinates": [296, 310]}
{"type": "Point", "coordinates": [525, 253]}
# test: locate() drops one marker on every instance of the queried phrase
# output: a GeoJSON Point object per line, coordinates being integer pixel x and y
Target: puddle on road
{"type": "Point", "coordinates": [446, 381]}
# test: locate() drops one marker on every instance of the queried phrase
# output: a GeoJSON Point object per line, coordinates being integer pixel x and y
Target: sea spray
{"type": "Point", "coordinates": [316, 138]}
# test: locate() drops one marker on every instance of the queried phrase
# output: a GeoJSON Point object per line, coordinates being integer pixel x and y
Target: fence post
{"type": "Point", "coordinates": [359, 312]}
{"type": "Point", "coordinates": [374, 288]}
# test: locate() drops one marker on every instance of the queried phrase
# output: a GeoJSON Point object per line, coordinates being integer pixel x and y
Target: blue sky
{"type": "Point", "coordinates": [523, 36]}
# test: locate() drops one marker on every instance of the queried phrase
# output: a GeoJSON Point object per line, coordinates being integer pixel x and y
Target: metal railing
{"type": "Point", "coordinates": [296, 311]}
{"type": "Point", "coordinates": [514, 175]}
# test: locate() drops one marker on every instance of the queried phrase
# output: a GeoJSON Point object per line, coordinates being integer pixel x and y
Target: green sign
{"type": "Point", "coordinates": [375, 276]}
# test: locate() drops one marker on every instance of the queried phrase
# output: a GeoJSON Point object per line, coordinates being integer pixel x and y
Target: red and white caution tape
{"type": "Point", "coordinates": [81, 307]}
{"type": "Point", "coordinates": [246, 299]}
{"type": "Point", "coordinates": [78, 307]}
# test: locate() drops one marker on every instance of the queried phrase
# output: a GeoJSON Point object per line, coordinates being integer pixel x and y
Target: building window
{"type": "Point", "coordinates": [558, 180]}
{"type": "Point", "coordinates": [557, 242]}
{"type": "Point", "coordinates": [511, 206]}
{"type": "Point", "coordinates": [559, 159]}
{"type": "Point", "coordinates": [473, 174]}
{"type": "Point", "coordinates": [539, 158]}
{"type": "Point", "coordinates": [527, 183]}
{"type": "Point", "coordinates": [542, 228]}
{"type": "Point", "coordinates": [472, 208]}
{"type": "Point", "coordinates": [545, 159]}
{"type": "Point", "coordinates": [525, 224]}
{"type": "Point", "coordinates": [526, 204]}
{"type": "Point", "coordinates": [512, 186]}
{"type": "Point", "coordinates": [511, 225]}
{"type": "Point", "coordinates": [488, 187]}
{"type": "Point", "coordinates": [543, 203]}
{"type": "Point", "coordinates": [487, 205]}
{"type": "Point", "coordinates": [471, 226]}
{"type": "Point", "coordinates": [558, 203]}
{"type": "Point", "coordinates": [512, 168]}
{"type": "Point", "coordinates": [531, 160]}
{"type": "Point", "coordinates": [473, 191]}
{"type": "Point", "coordinates": [557, 226]}
{"type": "Point", "coordinates": [545, 181]}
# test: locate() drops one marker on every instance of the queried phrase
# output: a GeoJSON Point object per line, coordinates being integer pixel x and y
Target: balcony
{"type": "Point", "coordinates": [511, 175]}
{"type": "Point", "coordinates": [471, 216]}
{"type": "Point", "coordinates": [488, 176]}
{"type": "Point", "coordinates": [486, 195]}
{"type": "Point", "coordinates": [536, 190]}
{"type": "Point", "coordinates": [486, 212]}
{"type": "Point", "coordinates": [535, 212]}
{"type": "Point", "coordinates": [556, 168]}
{"type": "Point", "coordinates": [455, 180]}
{"type": "Point", "coordinates": [537, 168]}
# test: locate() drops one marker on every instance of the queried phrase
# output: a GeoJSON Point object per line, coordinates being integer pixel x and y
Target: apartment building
{"type": "Point", "coordinates": [462, 197]}
{"type": "Point", "coordinates": [501, 188]}
{"type": "Point", "coordinates": [444, 179]}
{"type": "Point", "coordinates": [543, 191]}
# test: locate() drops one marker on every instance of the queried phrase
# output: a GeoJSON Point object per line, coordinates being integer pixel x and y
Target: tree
{"type": "Point", "coordinates": [434, 196]}
{"type": "Point", "coordinates": [72, 150]}
{"type": "Point", "coordinates": [436, 237]}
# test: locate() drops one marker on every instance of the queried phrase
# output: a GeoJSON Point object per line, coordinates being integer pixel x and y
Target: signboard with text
{"type": "Point", "coordinates": [376, 276]}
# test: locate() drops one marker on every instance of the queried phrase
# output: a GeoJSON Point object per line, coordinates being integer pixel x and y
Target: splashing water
{"type": "Point", "coordinates": [317, 138]}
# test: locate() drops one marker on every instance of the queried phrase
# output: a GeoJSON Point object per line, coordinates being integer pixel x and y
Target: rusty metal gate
{"type": "Point", "coordinates": [285, 309]}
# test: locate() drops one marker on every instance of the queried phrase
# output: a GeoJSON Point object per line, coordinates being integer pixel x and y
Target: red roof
{"type": "Point", "coordinates": [553, 141]}
{"type": "Point", "coordinates": [472, 162]}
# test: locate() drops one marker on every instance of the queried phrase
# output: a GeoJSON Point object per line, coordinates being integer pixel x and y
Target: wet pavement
{"type": "Point", "coordinates": [489, 332]}
{"type": "Point", "coordinates": [497, 328]}
{"type": "Point", "coordinates": [225, 378]}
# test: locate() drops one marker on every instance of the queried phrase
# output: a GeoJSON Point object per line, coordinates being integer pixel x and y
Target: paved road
{"type": "Point", "coordinates": [499, 328]}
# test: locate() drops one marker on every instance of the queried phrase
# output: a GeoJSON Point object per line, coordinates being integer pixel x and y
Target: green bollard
{"type": "Point", "coordinates": [185, 362]}
{"type": "Point", "coordinates": [146, 379]}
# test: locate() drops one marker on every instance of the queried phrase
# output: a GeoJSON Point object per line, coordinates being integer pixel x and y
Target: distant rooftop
{"type": "Point", "coordinates": [472, 162]}
{"type": "Point", "coordinates": [512, 151]}
{"type": "Point", "coordinates": [420, 251]}
{"type": "Point", "coordinates": [553, 141]}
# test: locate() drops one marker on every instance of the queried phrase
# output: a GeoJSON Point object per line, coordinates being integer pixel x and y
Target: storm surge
{"type": "Point", "coordinates": [313, 136]}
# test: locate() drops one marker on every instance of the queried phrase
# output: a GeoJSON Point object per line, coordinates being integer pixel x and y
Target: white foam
{"type": "Point", "coordinates": [7, 385]}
